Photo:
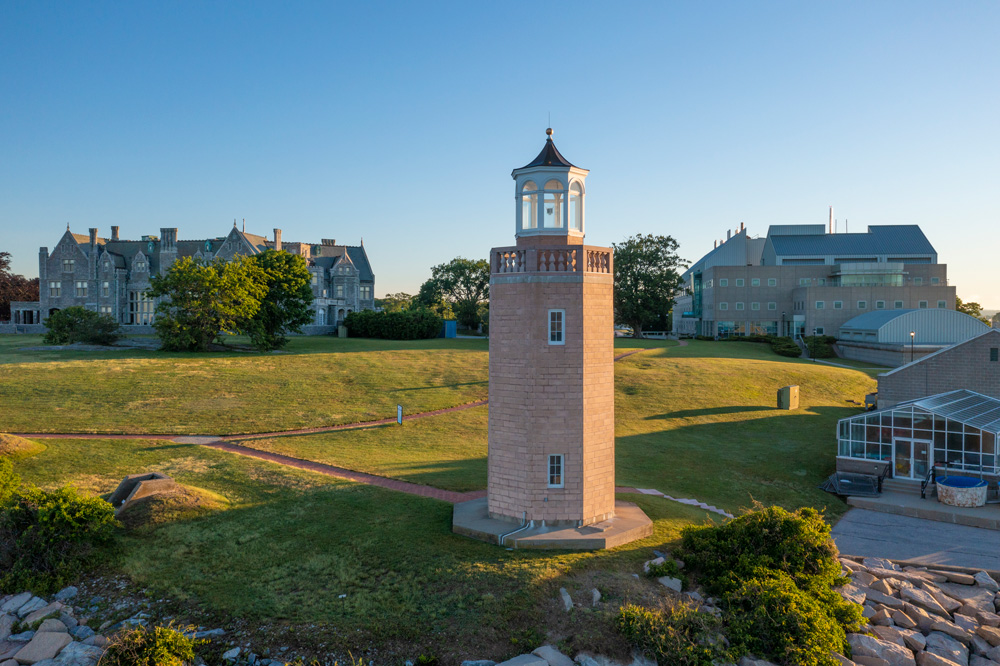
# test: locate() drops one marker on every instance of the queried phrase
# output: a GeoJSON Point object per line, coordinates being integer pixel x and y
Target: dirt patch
{"type": "Point", "coordinates": [18, 447]}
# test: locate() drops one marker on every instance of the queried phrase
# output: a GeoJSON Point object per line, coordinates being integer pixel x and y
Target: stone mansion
{"type": "Point", "coordinates": [111, 275]}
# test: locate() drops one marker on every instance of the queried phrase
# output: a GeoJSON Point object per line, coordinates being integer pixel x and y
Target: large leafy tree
{"type": "Point", "coordinates": [972, 309]}
{"type": "Point", "coordinates": [465, 283]}
{"type": "Point", "coordinates": [647, 279]}
{"type": "Point", "coordinates": [397, 302]}
{"type": "Point", "coordinates": [14, 287]}
{"type": "Point", "coordinates": [287, 305]}
{"type": "Point", "coordinates": [203, 300]}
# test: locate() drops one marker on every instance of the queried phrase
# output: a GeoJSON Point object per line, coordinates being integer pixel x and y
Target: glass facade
{"type": "Point", "coordinates": [912, 438]}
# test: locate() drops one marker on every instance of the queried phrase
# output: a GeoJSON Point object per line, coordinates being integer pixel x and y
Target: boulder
{"type": "Point", "coordinates": [22, 637]}
{"type": "Point", "coordinates": [51, 624]}
{"type": "Point", "coordinates": [487, 662]}
{"type": "Point", "coordinates": [552, 656]}
{"type": "Point", "coordinates": [863, 578]}
{"type": "Point", "coordinates": [14, 604]}
{"type": "Point", "coordinates": [671, 583]}
{"type": "Point", "coordinates": [82, 632]}
{"type": "Point", "coordinates": [68, 620]}
{"type": "Point", "coordinates": [852, 593]}
{"type": "Point", "coordinates": [852, 565]}
{"type": "Point", "coordinates": [986, 581]}
{"type": "Point", "coordinates": [991, 634]}
{"type": "Point", "coordinates": [923, 599]}
{"type": "Point", "coordinates": [566, 599]}
{"type": "Point", "coordinates": [863, 645]}
{"type": "Point", "coordinates": [979, 645]}
{"type": "Point", "coordinates": [970, 595]}
{"type": "Point", "coordinates": [868, 611]}
{"type": "Point", "coordinates": [525, 660]}
{"type": "Point", "coordinates": [901, 619]}
{"type": "Point", "coordinates": [988, 618]}
{"type": "Point", "coordinates": [751, 661]}
{"type": "Point", "coordinates": [231, 655]}
{"type": "Point", "coordinates": [913, 639]}
{"type": "Point", "coordinates": [977, 660]}
{"type": "Point", "coordinates": [30, 606]}
{"type": "Point", "coordinates": [945, 646]}
{"type": "Point", "coordinates": [97, 640]}
{"type": "Point", "coordinates": [871, 661]}
{"type": "Point", "coordinates": [889, 634]}
{"type": "Point", "coordinates": [652, 563]}
{"type": "Point", "coordinates": [953, 630]}
{"type": "Point", "coordinates": [78, 654]}
{"type": "Point", "coordinates": [65, 594]}
{"type": "Point", "coordinates": [595, 597]}
{"type": "Point", "coordinates": [949, 604]}
{"type": "Point", "coordinates": [993, 653]}
{"type": "Point", "coordinates": [931, 659]}
{"type": "Point", "coordinates": [6, 624]}
{"type": "Point", "coordinates": [45, 611]}
{"type": "Point", "coordinates": [45, 645]}
{"type": "Point", "coordinates": [839, 658]}
{"type": "Point", "coordinates": [878, 597]}
{"type": "Point", "coordinates": [882, 618]}
{"type": "Point", "coordinates": [966, 622]}
{"type": "Point", "coordinates": [583, 659]}
{"type": "Point", "coordinates": [880, 585]}
{"type": "Point", "coordinates": [957, 577]}
{"type": "Point", "coordinates": [880, 563]}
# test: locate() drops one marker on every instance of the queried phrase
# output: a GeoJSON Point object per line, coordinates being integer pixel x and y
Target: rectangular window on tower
{"type": "Point", "coordinates": [339, 290]}
{"type": "Point", "coordinates": [557, 325]}
{"type": "Point", "coordinates": [556, 479]}
{"type": "Point", "coordinates": [366, 292]}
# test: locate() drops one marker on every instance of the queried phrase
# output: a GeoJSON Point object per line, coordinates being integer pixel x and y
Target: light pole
{"type": "Point", "coordinates": [784, 330]}
{"type": "Point", "coordinates": [912, 335]}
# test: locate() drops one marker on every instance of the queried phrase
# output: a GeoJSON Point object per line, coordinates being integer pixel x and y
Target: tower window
{"type": "Point", "coordinates": [556, 479]}
{"type": "Point", "coordinates": [552, 205]}
{"type": "Point", "coordinates": [529, 206]}
{"type": "Point", "coordinates": [576, 207]}
{"type": "Point", "coordinates": [557, 327]}
{"type": "Point", "coordinates": [105, 289]}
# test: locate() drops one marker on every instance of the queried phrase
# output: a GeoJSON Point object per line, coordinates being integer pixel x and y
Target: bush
{"type": "Point", "coordinates": [9, 481]}
{"type": "Point", "coordinates": [820, 346]}
{"type": "Point", "coordinates": [771, 616]}
{"type": "Point", "coordinates": [153, 646]}
{"type": "Point", "coordinates": [677, 636]}
{"type": "Point", "coordinates": [47, 537]}
{"type": "Point", "coordinates": [785, 346]}
{"type": "Point", "coordinates": [77, 324]}
{"type": "Point", "coordinates": [776, 572]}
{"type": "Point", "coordinates": [404, 325]}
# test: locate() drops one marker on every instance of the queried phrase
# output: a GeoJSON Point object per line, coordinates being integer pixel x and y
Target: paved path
{"type": "Point", "coordinates": [870, 533]}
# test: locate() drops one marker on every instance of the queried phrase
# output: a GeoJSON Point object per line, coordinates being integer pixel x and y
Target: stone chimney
{"type": "Point", "coordinates": [93, 236]}
{"type": "Point", "coordinates": [277, 240]}
{"type": "Point", "coordinates": [114, 233]}
{"type": "Point", "coordinates": [168, 239]}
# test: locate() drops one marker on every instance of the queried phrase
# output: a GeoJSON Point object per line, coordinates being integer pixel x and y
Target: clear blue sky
{"type": "Point", "coordinates": [401, 122]}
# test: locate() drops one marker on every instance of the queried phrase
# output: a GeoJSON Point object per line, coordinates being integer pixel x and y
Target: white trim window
{"type": "Point", "coordinates": [772, 305]}
{"type": "Point", "coordinates": [755, 306]}
{"type": "Point", "coordinates": [723, 305]}
{"type": "Point", "coordinates": [862, 305]}
{"type": "Point", "coordinates": [838, 305]}
{"type": "Point", "coordinates": [557, 327]}
{"type": "Point", "coordinates": [772, 282]}
{"type": "Point", "coordinates": [739, 305]}
{"type": "Point", "coordinates": [723, 282]}
{"type": "Point", "coordinates": [557, 478]}
{"type": "Point", "coordinates": [755, 282]}
{"type": "Point", "coordinates": [739, 282]}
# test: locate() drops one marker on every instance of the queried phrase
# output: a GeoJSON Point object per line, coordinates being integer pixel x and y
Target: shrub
{"type": "Point", "coordinates": [77, 324]}
{"type": "Point", "coordinates": [776, 572]}
{"type": "Point", "coordinates": [785, 346]}
{"type": "Point", "coordinates": [47, 537]}
{"type": "Point", "coordinates": [820, 346]}
{"type": "Point", "coordinates": [9, 481]}
{"type": "Point", "coordinates": [404, 325]}
{"type": "Point", "coordinates": [677, 636]}
{"type": "Point", "coordinates": [770, 615]}
{"type": "Point", "coordinates": [152, 646]}
{"type": "Point", "coordinates": [668, 568]}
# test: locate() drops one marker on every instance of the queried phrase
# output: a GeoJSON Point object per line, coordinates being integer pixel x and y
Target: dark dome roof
{"type": "Point", "coordinates": [550, 156]}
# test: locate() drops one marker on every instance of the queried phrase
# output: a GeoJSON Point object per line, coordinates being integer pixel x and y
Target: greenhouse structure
{"type": "Point", "coordinates": [954, 432]}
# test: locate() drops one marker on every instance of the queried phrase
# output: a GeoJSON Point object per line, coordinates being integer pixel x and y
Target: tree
{"type": "Point", "coordinates": [204, 300]}
{"type": "Point", "coordinates": [646, 280]}
{"type": "Point", "coordinates": [465, 283]}
{"type": "Point", "coordinates": [287, 305]}
{"type": "Point", "coordinates": [78, 324]}
{"type": "Point", "coordinates": [14, 287]}
{"type": "Point", "coordinates": [395, 302]}
{"type": "Point", "coordinates": [972, 309]}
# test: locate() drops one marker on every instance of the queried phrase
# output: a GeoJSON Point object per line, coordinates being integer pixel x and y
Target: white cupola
{"type": "Point", "coordinates": [550, 192]}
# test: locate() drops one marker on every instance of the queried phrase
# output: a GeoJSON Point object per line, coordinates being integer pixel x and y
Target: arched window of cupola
{"type": "Point", "coordinates": [529, 206]}
{"type": "Point", "coordinates": [552, 208]}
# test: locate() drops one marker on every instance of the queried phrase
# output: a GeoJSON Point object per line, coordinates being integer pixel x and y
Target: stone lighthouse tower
{"type": "Point", "coordinates": [551, 391]}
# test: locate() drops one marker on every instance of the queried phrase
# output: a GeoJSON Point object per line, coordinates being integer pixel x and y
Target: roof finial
{"type": "Point", "coordinates": [549, 133]}
{"type": "Point", "coordinates": [67, 226]}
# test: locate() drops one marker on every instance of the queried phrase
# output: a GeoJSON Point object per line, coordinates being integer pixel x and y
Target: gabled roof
{"type": "Point", "coordinates": [894, 240]}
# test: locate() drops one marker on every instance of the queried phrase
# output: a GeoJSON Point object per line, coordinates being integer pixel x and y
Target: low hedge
{"type": "Point", "coordinates": [785, 347]}
{"type": "Point", "coordinates": [674, 636]}
{"type": "Point", "coordinates": [77, 324]}
{"type": "Point", "coordinates": [403, 325]}
{"type": "Point", "coordinates": [820, 346]}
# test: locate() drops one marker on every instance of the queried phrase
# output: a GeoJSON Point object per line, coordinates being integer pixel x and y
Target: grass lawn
{"type": "Point", "coordinates": [292, 542]}
{"type": "Point", "coordinates": [320, 381]}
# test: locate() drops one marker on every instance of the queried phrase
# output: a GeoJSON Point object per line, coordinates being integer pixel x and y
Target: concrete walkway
{"type": "Point", "coordinates": [895, 537]}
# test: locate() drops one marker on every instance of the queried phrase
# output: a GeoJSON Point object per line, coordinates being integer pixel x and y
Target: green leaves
{"type": "Point", "coordinates": [462, 283]}
{"type": "Point", "coordinates": [287, 305]}
{"type": "Point", "coordinates": [77, 324]}
{"type": "Point", "coordinates": [646, 280]}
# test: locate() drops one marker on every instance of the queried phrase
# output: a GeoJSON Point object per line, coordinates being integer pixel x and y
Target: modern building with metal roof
{"type": "Point", "coordinates": [803, 279]}
{"type": "Point", "coordinates": [895, 337]}
{"type": "Point", "coordinates": [957, 431]}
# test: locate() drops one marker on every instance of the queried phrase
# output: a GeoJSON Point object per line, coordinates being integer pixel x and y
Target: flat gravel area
{"type": "Point", "coordinates": [874, 534]}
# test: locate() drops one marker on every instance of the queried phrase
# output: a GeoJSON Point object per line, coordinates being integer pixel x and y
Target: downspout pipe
{"type": "Point", "coordinates": [524, 526]}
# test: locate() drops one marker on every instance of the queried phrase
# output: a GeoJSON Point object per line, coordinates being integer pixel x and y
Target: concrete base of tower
{"type": "Point", "coordinates": [629, 523]}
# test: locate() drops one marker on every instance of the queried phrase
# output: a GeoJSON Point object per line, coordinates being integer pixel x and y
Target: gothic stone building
{"type": "Point", "coordinates": [111, 275]}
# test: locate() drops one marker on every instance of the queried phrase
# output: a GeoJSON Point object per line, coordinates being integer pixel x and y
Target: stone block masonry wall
{"type": "Point", "coordinates": [964, 366]}
{"type": "Point", "coordinates": [551, 399]}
